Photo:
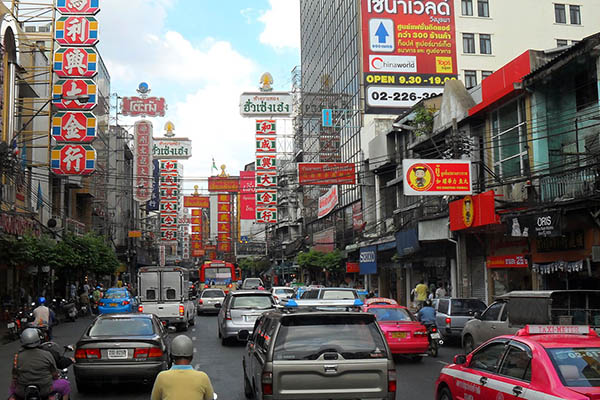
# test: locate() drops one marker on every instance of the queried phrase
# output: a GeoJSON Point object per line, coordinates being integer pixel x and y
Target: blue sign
{"type": "Point", "coordinates": [368, 260]}
{"type": "Point", "coordinates": [327, 117]}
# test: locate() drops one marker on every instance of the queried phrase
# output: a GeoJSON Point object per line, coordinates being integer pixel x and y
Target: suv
{"type": "Point", "coordinates": [252, 283]}
{"type": "Point", "coordinates": [452, 314]}
{"type": "Point", "coordinates": [318, 355]}
{"type": "Point", "coordinates": [239, 311]}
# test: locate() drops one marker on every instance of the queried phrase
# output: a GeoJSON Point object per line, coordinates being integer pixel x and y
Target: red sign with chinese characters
{"type": "Point", "coordinates": [473, 211]}
{"type": "Point", "coordinates": [74, 94]}
{"type": "Point", "coordinates": [76, 62]}
{"type": "Point", "coordinates": [266, 162]}
{"type": "Point", "coordinates": [78, 127]}
{"type": "Point", "coordinates": [266, 127]}
{"type": "Point", "coordinates": [142, 167]}
{"type": "Point", "coordinates": [72, 159]}
{"type": "Point", "coordinates": [224, 222]}
{"type": "Point", "coordinates": [436, 177]}
{"type": "Point", "coordinates": [87, 7]}
{"type": "Point", "coordinates": [143, 107]}
{"type": "Point", "coordinates": [326, 173]}
{"type": "Point", "coordinates": [76, 30]}
{"type": "Point", "coordinates": [266, 144]}
{"type": "Point", "coordinates": [510, 261]}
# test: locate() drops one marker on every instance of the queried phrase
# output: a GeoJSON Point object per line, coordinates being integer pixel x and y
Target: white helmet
{"type": "Point", "coordinates": [182, 346]}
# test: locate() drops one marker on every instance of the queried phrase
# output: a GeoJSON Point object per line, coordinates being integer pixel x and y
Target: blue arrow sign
{"type": "Point", "coordinates": [382, 33]}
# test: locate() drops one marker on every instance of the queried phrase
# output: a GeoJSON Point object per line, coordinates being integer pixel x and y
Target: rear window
{"type": "Point", "coordinates": [391, 314]}
{"type": "Point", "coordinates": [284, 291]}
{"type": "Point", "coordinates": [115, 295]}
{"type": "Point", "coordinates": [251, 283]}
{"type": "Point", "coordinates": [213, 293]}
{"type": "Point", "coordinates": [467, 307]}
{"type": "Point", "coordinates": [307, 337]}
{"type": "Point", "coordinates": [255, 301]}
{"type": "Point", "coordinates": [122, 327]}
{"type": "Point", "coordinates": [338, 295]}
{"type": "Point", "coordinates": [577, 367]}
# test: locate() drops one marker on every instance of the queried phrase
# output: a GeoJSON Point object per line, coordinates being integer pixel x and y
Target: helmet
{"type": "Point", "coordinates": [30, 338]}
{"type": "Point", "coordinates": [182, 346]}
{"type": "Point", "coordinates": [42, 300]}
{"type": "Point", "coordinates": [428, 303]}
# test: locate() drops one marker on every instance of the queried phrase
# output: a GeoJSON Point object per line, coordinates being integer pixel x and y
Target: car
{"type": "Point", "coordinates": [451, 315]}
{"type": "Point", "coordinates": [282, 293]}
{"type": "Point", "coordinates": [307, 354]}
{"type": "Point", "coordinates": [330, 293]}
{"type": "Point", "coordinates": [208, 300]}
{"type": "Point", "coordinates": [252, 283]}
{"type": "Point", "coordinates": [239, 311]}
{"type": "Point", "coordinates": [539, 362]}
{"type": "Point", "coordinates": [129, 348]}
{"type": "Point", "coordinates": [404, 334]}
{"type": "Point", "coordinates": [117, 301]}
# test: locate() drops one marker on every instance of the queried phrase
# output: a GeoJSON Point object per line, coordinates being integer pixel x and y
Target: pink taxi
{"type": "Point", "coordinates": [540, 362]}
{"type": "Point", "coordinates": [404, 334]}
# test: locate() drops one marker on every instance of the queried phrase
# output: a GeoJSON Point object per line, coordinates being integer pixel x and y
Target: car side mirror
{"type": "Point", "coordinates": [460, 359]}
{"type": "Point", "coordinates": [171, 329]}
{"type": "Point", "coordinates": [217, 305]}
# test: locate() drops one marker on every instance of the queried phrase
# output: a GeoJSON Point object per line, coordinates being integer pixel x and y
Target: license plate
{"type": "Point", "coordinates": [435, 335]}
{"type": "Point", "coordinates": [116, 354]}
{"type": "Point", "coordinates": [113, 304]}
{"type": "Point", "coordinates": [11, 325]}
{"type": "Point", "coordinates": [250, 318]}
{"type": "Point", "coordinates": [399, 335]}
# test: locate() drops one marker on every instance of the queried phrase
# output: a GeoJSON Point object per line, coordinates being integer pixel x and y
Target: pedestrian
{"type": "Point", "coordinates": [182, 381]}
{"type": "Point", "coordinates": [440, 292]}
{"type": "Point", "coordinates": [421, 293]}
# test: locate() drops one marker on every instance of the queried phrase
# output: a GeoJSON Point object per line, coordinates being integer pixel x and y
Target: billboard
{"type": "Point", "coordinates": [437, 177]}
{"type": "Point", "coordinates": [172, 148]}
{"type": "Point", "coordinates": [409, 52]}
{"type": "Point", "coordinates": [143, 106]}
{"type": "Point", "coordinates": [326, 174]}
{"type": "Point", "coordinates": [266, 104]}
{"type": "Point", "coordinates": [196, 201]}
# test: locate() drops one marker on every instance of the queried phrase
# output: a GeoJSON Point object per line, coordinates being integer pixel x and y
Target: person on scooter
{"type": "Point", "coordinates": [427, 313]}
{"type": "Point", "coordinates": [43, 316]}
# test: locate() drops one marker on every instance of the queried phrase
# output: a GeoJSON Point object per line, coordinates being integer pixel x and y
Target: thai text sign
{"type": "Point", "coordinates": [223, 184]}
{"type": "Point", "coordinates": [71, 159]}
{"type": "Point", "coordinates": [328, 201]}
{"type": "Point", "coordinates": [436, 177]}
{"type": "Point", "coordinates": [76, 62]}
{"type": "Point", "coordinates": [74, 94]}
{"type": "Point", "coordinates": [266, 104]}
{"type": "Point", "coordinates": [143, 107]}
{"type": "Point", "coordinates": [172, 149]}
{"type": "Point", "coordinates": [247, 192]}
{"type": "Point", "coordinates": [409, 51]}
{"type": "Point", "coordinates": [76, 30]}
{"type": "Point", "coordinates": [87, 7]}
{"type": "Point", "coordinates": [77, 127]}
{"type": "Point", "coordinates": [326, 174]}
{"type": "Point", "coordinates": [196, 201]}
{"type": "Point", "coordinates": [142, 167]}
{"type": "Point", "coordinates": [510, 261]}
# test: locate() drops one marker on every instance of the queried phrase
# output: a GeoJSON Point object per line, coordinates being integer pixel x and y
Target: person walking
{"type": "Point", "coordinates": [440, 292]}
{"type": "Point", "coordinates": [421, 293]}
{"type": "Point", "coordinates": [182, 381]}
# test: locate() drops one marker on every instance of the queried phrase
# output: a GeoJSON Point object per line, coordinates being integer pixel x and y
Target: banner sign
{"type": "Point", "coordinates": [73, 159]}
{"type": "Point", "coordinates": [266, 162]}
{"type": "Point", "coordinates": [76, 62]}
{"type": "Point", "coordinates": [352, 267]}
{"type": "Point", "coordinates": [196, 201]}
{"type": "Point", "coordinates": [87, 7]}
{"type": "Point", "coordinates": [326, 174]}
{"type": "Point", "coordinates": [543, 225]}
{"type": "Point", "coordinates": [265, 215]}
{"type": "Point", "coordinates": [409, 51]}
{"type": "Point", "coordinates": [473, 211]}
{"type": "Point", "coordinates": [142, 166]}
{"type": "Point", "coordinates": [266, 104]}
{"type": "Point", "coordinates": [224, 222]}
{"type": "Point", "coordinates": [223, 184]}
{"type": "Point", "coordinates": [437, 177]}
{"type": "Point", "coordinates": [328, 201]}
{"type": "Point", "coordinates": [324, 240]}
{"type": "Point", "coordinates": [266, 197]}
{"type": "Point", "coordinates": [77, 127]}
{"type": "Point", "coordinates": [266, 180]}
{"type": "Point", "coordinates": [266, 144]}
{"type": "Point", "coordinates": [368, 260]}
{"type": "Point", "coordinates": [172, 148]}
{"type": "Point", "coordinates": [143, 107]}
{"type": "Point", "coordinates": [510, 261]}
{"type": "Point", "coordinates": [247, 193]}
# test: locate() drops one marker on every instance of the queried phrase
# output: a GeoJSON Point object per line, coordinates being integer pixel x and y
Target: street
{"type": "Point", "coordinates": [223, 365]}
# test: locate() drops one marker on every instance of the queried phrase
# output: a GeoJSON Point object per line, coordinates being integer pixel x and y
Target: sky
{"type": "Point", "coordinates": [200, 55]}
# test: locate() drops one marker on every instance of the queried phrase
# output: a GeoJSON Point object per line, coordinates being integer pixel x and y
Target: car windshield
{"type": "Point", "coordinates": [251, 301]}
{"type": "Point", "coordinates": [307, 337]}
{"type": "Point", "coordinates": [338, 295]}
{"type": "Point", "coordinates": [577, 367]}
{"type": "Point", "coordinates": [122, 327]}
{"type": "Point", "coordinates": [115, 295]}
{"type": "Point", "coordinates": [213, 293]}
{"type": "Point", "coordinates": [467, 307]}
{"type": "Point", "coordinates": [384, 314]}
{"type": "Point", "coordinates": [284, 291]}
{"type": "Point", "coordinates": [251, 283]}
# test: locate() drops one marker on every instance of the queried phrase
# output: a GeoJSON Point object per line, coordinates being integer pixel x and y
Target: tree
{"type": "Point", "coordinates": [254, 265]}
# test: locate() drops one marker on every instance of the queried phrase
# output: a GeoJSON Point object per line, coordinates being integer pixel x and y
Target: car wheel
{"type": "Point", "coordinates": [184, 326]}
{"type": "Point", "coordinates": [193, 320]}
{"type": "Point", "coordinates": [445, 394]}
{"type": "Point", "coordinates": [468, 344]}
{"type": "Point", "coordinates": [83, 387]}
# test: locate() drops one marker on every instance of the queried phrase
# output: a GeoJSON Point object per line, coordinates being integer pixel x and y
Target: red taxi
{"type": "Point", "coordinates": [404, 334]}
{"type": "Point", "coordinates": [539, 362]}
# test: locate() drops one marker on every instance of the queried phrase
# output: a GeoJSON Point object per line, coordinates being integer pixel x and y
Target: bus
{"type": "Point", "coordinates": [219, 274]}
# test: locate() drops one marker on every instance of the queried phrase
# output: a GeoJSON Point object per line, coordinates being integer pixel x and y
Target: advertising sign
{"type": "Point", "coordinates": [76, 30]}
{"type": "Point", "coordinates": [510, 261]}
{"type": "Point", "coordinates": [368, 260]}
{"type": "Point", "coordinates": [266, 162]}
{"type": "Point", "coordinates": [266, 144]}
{"type": "Point", "coordinates": [328, 201]}
{"type": "Point", "coordinates": [172, 149]}
{"type": "Point", "coordinates": [168, 235]}
{"type": "Point", "coordinates": [543, 225]}
{"type": "Point", "coordinates": [74, 94]}
{"type": "Point", "coordinates": [326, 174]}
{"type": "Point", "coordinates": [266, 127]}
{"type": "Point", "coordinates": [409, 51]}
{"type": "Point", "coordinates": [352, 267]}
{"type": "Point", "coordinates": [222, 184]}
{"type": "Point", "coordinates": [142, 165]}
{"type": "Point", "coordinates": [324, 240]}
{"type": "Point", "coordinates": [473, 211]}
{"type": "Point", "coordinates": [196, 201]}
{"type": "Point", "coordinates": [247, 192]}
{"type": "Point", "coordinates": [76, 62]}
{"type": "Point", "coordinates": [437, 177]}
{"type": "Point", "coordinates": [153, 203]}
{"type": "Point", "coordinates": [77, 127]}
{"type": "Point", "coordinates": [73, 159]}
{"type": "Point", "coordinates": [266, 180]}
{"type": "Point", "coordinates": [266, 215]}
{"type": "Point", "coordinates": [266, 197]}
{"type": "Point", "coordinates": [224, 222]}
{"type": "Point", "coordinates": [266, 104]}
{"type": "Point", "coordinates": [143, 107]}
{"type": "Point", "coordinates": [87, 7]}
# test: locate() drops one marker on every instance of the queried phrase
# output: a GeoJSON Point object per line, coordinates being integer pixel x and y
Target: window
{"type": "Point", "coordinates": [483, 8]}
{"type": "Point", "coordinates": [485, 44]}
{"type": "Point", "coordinates": [561, 43]}
{"type": "Point", "coordinates": [468, 43]}
{"type": "Point", "coordinates": [488, 358]}
{"type": "Point", "coordinates": [485, 74]}
{"type": "Point", "coordinates": [577, 367]}
{"type": "Point", "coordinates": [586, 87]}
{"type": "Point", "coordinates": [467, 307]}
{"type": "Point", "coordinates": [560, 14]}
{"type": "Point", "coordinates": [575, 15]}
{"type": "Point", "coordinates": [467, 7]}
{"type": "Point", "coordinates": [492, 313]}
{"type": "Point", "coordinates": [470, 79]}
{"type": "Point", "coordinates": [517, 364]}
{"type": "Point", "coordinates": [509, 139]}
{"type": "Point", "coordinates": [443, 306]}
{"type": "Point", "coordinates": [251, 301]}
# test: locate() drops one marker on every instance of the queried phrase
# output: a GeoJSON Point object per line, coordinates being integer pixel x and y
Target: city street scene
{"type": "Point", "coordinates": [300, 199]}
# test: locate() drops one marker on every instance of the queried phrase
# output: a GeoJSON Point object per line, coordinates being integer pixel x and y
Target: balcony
{"type": "Point", "coordinates": [570, 185]}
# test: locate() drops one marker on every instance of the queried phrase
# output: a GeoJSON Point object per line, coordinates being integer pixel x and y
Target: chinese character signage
{"type": "Point", "coordinates": [266, 172]}
{"type": "Point", "coordinates": [169, 200]}
{"type": "Point", "coordinates": [76, 30]}
{"type": "Point", "coordinates": [266, 162]}
{"type": "Point", "coordinates": [473, 211]}
{"type": "Point", "coordinates": [265, 144]}
{"type": "Point", "coordinates": [143, 107]}
{"type": "Point", "coordinates": [172, 148]}
{"type": "Point", "coordinates": [266, 127]}
{"type": "Point", "coordinates": [83, 7]}
{"type": "Point", "coordinates": [73, 159]}
{"type": "Point", "coordinates": [266, 104]}
{"type": "Point", "coordinates": [224, 220]}
{"type": "Point", "coordinates": [76, 62]}
{"type": "Point", "coordinates": [265, 215]}
{"type": "Point", "coordinates": [142, 167]}
{"type": "Point", "coordinates": [409, 51]}
{"type": "Point", "coordinates": [436, 177]}
{"type": "Point", "coordinates": [74, 94]}
{"type": "Point", "coordinates": [266, 198]}
{"type": "Point", "coordinates": [153, 203]}
{"type": "Point", "coordinates": [326, 174]}
{"type": "Point", "coordinates": [78, 127]}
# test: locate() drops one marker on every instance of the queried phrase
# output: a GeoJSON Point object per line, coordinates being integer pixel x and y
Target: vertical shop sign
{"type": "Point", "coordinates": [142, 167]}
{"type": "Point", "coordinates": [265, 209]}
{"type": "Point", "coordinates": [247, 192]}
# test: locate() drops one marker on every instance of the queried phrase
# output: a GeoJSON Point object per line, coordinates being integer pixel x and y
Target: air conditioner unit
{"type": "Point", "coordinates": [44, 28]}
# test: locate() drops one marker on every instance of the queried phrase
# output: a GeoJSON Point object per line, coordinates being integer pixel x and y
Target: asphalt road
{"type": "Point", "coordinates": [223, 365]}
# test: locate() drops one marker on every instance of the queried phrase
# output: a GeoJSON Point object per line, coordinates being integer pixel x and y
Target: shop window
{"type": "Point", "coordinates": [467, 7]}
{"type": "Point", "coordinates": [509, 139]}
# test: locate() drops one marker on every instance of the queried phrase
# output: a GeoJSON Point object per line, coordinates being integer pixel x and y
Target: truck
{"type": "Point", "coordinates": [164, 292]}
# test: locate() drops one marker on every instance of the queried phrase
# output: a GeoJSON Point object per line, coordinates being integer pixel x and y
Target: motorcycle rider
{"type": "Point", "coordinates": [427, 313]}
{"type": "Point", "coordinates": [182, 381]}
{"type": "Point", "coordinates": [43, 316]}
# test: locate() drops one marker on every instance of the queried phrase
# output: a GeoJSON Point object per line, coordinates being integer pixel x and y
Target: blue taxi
{"type": "Point", "coordinates": [117, 301]}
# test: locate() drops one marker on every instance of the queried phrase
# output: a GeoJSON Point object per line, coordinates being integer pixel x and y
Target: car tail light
{"type": "Point", "coordinates": [147, 352]}
{"type": "Point", "coordinates": [181, 310]}
{"type": "Point", "coordinates": [391, 380]}
{"type": "Point", "coordinates": [125, 303]}
{"type": "Point", "coordinates": [228, 315]}
{"type": "Point", "coordinates": [448, 320]}
{"type": "Point", "coordinates": [200, 301]}
{"type": "Point", "coordinates": [89, 354]}
{"type": "Point", "coordinates": [140, 308]}
{"type": "Point", "coordinates": [230, 285]}
{"type": "Point", "coordinates": [267, 383]}
{"type": "Point", "coordinates": [433, 329]}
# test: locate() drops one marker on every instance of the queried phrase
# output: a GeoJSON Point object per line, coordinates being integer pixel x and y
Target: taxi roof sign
{"type": "Point", "coordinates": [556, 330]}
{"type": "Point", "coordinates": [381, 301]}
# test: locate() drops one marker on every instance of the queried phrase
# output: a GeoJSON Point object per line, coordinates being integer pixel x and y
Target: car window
{"type": "Point", "coordinates": [283, 291]}
{"type": "Point", "coordinates": [250, 301]}
{"type": "Point", "coordinates": [256, 328]}
{"type": "Point", "coordinates": [122, 327]}
{"type": "Point", "coordinates": [492, 313]}
{"type": "Point", "coordinates": [443, 306]}
{"type": "Point", "coordinates": [338, 295]}
{"type": "Point", "coordinates": [467, 307]}
{"type": "Point", "coordinates": [384, 314]}
{"type": "Point", "coordinates": [115, 295]}
{"type": "Point", "coordinates": [150, 294]}
{"type": "Point", "coordinates": [504, 314]}
{"type": "Point", "coordinates": [488, 358]}
{"type": "Point", "coordinates": [516, 364]}
{"type": "Point", "coordinates": [577, 367]}
{"type": "Point", "coordinates": [310, 294]}
{"type": "Point", "coordinates": [213, 293]}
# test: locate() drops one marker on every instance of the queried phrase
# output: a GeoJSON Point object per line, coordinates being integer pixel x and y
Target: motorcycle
{"type": "Point", "coordinates": [14, 327]}
{"type": "Point", "coordinates": [32, 392]}
{"type": "Point", "coordinates": [435, 340]}
{"type": "Point", "coordinates": [69, 310]}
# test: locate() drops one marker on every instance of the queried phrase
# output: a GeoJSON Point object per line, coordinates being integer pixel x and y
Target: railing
{"type": "Point", "coordinates": [569, 185]}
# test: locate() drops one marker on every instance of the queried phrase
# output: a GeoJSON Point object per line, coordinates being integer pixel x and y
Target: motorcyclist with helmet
{"type": "Point", "coordinates": [43, 317]}
{"type": "Point", "coordinates": [182, 381]}
{"type": "Point", "coordinates": [34, 366]}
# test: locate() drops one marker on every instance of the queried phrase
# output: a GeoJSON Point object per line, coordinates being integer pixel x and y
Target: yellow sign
{"type": "Point", "coordinates": [135, 234]}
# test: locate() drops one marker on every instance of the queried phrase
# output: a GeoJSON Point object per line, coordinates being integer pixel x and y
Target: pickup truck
{"type": "Point", "coordinates": [164, 292]}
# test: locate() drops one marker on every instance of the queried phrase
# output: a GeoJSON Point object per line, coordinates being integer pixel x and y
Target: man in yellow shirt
{"type": "Point", "coordinates": [182, 381]}
{"type": "Point", "coordinates": [421, 292]}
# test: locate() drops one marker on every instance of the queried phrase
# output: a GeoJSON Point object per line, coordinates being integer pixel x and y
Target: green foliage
{"type": "Point", "coordinates": [13, 250]}
{"type": "Point", "coordinates": [423, 120]}
{"type": "Point", "coordinates": [317, 259]}
{"type": "Point", "coordinates": [254, 264]}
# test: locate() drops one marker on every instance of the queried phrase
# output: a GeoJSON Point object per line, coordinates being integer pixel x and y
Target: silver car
{"type": "Point", "coordinates": [239, 311]}
{"type": "Point", "coordinates": [281, 293]}
{"type": "Point", "coordinates": [208, 300]}
{"type": "Point", "coordinates": [451, 315]}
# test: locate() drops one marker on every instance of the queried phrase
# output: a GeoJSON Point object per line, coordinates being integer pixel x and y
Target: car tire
{"type": "Point", "coordinates": [183, 327]}
{"type": "Point", "coordinates": [468, 344]}
{"type": "Point", "coordinates": [83, 387]}
{"type": "Point", "coordinates": [444, 394]}
{"type": "Point", "coordinates": [219, 333]}
{"type": "Point", "coordinates": [193, 320]}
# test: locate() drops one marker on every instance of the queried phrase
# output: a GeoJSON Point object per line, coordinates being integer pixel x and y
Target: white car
{"type": "Point", "coordinates": [281, 293]}
{"type": "Point", "coordinates": [208, 300]}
